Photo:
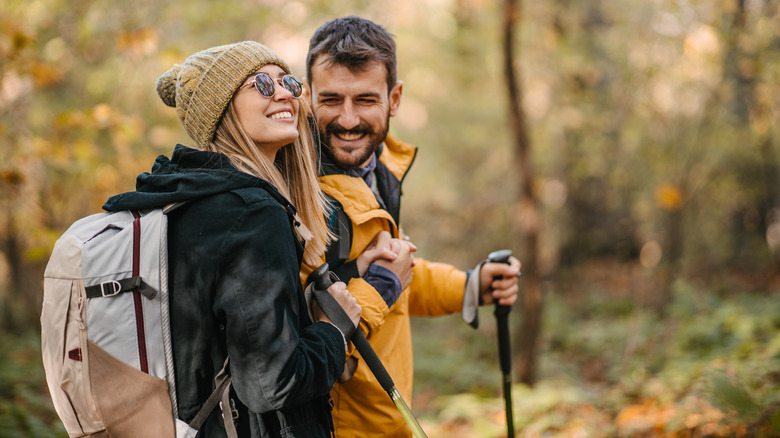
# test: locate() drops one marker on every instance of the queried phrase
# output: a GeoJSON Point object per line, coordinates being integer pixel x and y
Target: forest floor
{"type": "Point", "coordinates": [609, 365]}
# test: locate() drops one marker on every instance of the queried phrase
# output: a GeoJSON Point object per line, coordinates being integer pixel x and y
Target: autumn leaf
{"type": "Point", "coordinates": [138, 42]}
{"type": "Point", "coordinates": [11, 177]}
{"type": "Point", "coordinates": [669, 197]}
{"type": "Point", "coordinates": [45, 74]}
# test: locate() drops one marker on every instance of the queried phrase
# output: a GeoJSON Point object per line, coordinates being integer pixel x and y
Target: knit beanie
{"type": "Point", "coordinates": [201, 88]}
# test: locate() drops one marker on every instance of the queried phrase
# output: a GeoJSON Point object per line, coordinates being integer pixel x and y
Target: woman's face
{"type": "Point", "coordinates": [270, 122]}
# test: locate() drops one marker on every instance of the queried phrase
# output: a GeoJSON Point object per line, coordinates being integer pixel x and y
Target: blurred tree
{"type": "Point", "coordinates": [745, 62]}
{"type": "Point", "coordinates": [653, 121]}
{"type": "Point", "coordinates": [528, 216]}
{"type": "Point", "coordinates": [599, 222]}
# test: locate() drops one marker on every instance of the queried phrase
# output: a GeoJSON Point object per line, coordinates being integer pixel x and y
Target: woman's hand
{"type": "Point", "coordinates": [347, 302]}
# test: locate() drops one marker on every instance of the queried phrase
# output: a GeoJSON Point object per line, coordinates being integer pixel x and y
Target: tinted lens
{"type": "Point", "coordinates": [293, 85]}
{"type": "Point", "coordinates": [265, 85]}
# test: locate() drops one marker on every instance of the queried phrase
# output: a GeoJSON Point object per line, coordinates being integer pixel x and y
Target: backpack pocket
{"type": "Point", "coordinates": [144, 408]}
{"type": "Point", "coordinates": [63, 341]}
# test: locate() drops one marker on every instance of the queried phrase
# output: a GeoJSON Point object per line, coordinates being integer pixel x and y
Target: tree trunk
{"type": "Point", "coordinates": [11, 250]}
{"type": "Point", "coordinates": [528, 214]}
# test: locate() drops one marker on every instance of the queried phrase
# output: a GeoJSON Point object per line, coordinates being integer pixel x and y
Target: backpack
{"type": "Point", "coordinates": [105, 330]}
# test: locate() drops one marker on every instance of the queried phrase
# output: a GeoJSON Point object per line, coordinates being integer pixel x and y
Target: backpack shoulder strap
{"type": "Point", "coordinates": [338, 250]}
{"type": "Point", "coordinates": [221, 395]}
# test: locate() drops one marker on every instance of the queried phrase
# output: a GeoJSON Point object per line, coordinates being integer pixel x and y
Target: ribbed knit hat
{"type": "Point", "coordinates": [201, 88]}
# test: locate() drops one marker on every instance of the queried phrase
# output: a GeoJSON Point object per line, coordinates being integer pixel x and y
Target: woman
{"type": "Point", "coordinates": [247, 201]}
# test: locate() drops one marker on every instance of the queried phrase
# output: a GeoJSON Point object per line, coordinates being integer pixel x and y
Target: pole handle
{"type": "Point", "coordinates": [502, 314]}
{"type": "Point", "coordinates": [500, 256]}
{"type": "Point", "coordinates": [504, 348]}
{"type": "Point", "coordinates": [322, 281]}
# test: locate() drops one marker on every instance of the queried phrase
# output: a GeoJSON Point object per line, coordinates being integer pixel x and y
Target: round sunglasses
{"type": "Point", "coordinates": [266, 85]}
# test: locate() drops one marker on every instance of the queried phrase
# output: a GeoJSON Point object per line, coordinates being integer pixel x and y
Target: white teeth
{"type": "Point", "coordinates": [349, 137]}
{"type": "Point", "coordinates": [282, 115]}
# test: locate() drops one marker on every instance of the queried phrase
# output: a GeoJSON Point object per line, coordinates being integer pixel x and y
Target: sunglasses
{"type": "Point", "coordinates": [266, 85]}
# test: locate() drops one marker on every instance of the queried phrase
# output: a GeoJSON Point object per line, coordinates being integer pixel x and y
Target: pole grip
{"type": "Point", "coordinates": [502, 314]}
{"type": "Point", "coordinates": [504, 347]}
{"type": "Point", "coordinates": [322, 281]}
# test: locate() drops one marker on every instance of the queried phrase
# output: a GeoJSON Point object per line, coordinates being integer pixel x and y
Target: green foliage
{"type": "Point", "coordinates": [610, 368]}
{"type": "Point", "coordinates": [733, 395]}
{"type": "Point", "coordinates": [25, 407]}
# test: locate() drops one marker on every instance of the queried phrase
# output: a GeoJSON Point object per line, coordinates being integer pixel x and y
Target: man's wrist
{"type": "Point", "coordinates": [385, 282]}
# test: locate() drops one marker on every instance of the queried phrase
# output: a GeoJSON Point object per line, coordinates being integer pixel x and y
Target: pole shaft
{"type": "Point", "coordinates": [504, 346]}
{"type": "Point", "coordinates": [331, 308]}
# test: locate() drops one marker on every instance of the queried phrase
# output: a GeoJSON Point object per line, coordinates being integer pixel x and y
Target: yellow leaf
{"type": "Point", "coordinates": [669, 197]}
{"type": "Point", "coordinates": [11, 177]}
{"type": "Point", "coordinates": [45, 74]}
{"type": "Point", "coordinates": [138, 42]}
{"type": "Point", "coordinates": [102, 114]}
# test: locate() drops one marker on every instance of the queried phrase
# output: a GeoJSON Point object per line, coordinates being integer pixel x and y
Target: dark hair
{"type": "Point", "coordinates": [353, 42]}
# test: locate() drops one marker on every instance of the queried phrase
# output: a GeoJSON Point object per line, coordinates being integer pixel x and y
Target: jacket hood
{"type": "Point", "coordinates": [189, 174]}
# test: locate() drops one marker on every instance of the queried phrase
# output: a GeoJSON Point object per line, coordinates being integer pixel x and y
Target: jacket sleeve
{"type": "Point", "coordinates": [374, 309]}
{"type": "Point", "coordinates": [274, 363]}
{"type": "Point", "coordinates": [373, 306]}
{"type": "Point", "coordinates": [437, 289]}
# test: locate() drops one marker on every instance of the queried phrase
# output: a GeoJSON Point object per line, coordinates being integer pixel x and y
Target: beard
{"type": "Point", "coordinates": [350, 159]}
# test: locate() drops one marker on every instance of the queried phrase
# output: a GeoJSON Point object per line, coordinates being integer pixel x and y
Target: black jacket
{"type": "Point", "coordinates": [235, 289]}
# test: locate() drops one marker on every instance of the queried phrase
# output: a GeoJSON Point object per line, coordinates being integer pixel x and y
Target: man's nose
{"type": "Point", "coordinates": [348, 117]}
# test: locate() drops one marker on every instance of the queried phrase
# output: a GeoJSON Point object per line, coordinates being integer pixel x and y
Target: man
{"type": "Point", "coordinates": [352, 84]}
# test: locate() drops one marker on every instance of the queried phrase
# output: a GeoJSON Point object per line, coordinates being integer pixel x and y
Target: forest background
{"type": "Point", "coordinates": [652, 133]}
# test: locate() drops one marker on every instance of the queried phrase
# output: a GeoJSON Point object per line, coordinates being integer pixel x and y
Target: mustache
{"type": "Point", "coordinates": [361, 129]}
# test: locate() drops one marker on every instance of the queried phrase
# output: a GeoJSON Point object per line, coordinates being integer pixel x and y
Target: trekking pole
{"type": "Point", "coordinates": [504, 351]}
{"type": "Point", "coordinates": [322, 281]}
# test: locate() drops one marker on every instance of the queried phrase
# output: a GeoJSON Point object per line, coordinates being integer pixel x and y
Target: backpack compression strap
{"type": "Point", "coordinates": [114, 287]}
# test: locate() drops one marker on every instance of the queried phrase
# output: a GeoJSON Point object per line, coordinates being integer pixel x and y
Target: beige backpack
{"type": "Point", "coordinates": [105, 334]}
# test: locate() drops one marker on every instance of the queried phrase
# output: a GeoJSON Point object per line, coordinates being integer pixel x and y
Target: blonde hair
{"type": "Point", "coordinates": [294, 174]}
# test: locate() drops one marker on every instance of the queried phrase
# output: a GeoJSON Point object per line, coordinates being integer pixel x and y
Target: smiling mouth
{"type": "Point", "coordinates": [348, 136]}
{"type": "Point", "coordinates": [281, 115]}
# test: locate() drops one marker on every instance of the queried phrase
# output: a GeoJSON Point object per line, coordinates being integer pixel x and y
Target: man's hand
{"type": "Point", "coordinates": [378, 249]}
{"type": "Point", "coordinates": [402, 265]}
{"type": "Point", "coordinates": [504, 289]}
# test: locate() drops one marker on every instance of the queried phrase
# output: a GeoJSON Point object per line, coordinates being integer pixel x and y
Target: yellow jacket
{"type": "Point", "coordinates": [362, 408]}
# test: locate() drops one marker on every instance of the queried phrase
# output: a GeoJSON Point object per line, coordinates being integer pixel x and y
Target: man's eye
{"type": "Point", "coordinates": [366, 101]}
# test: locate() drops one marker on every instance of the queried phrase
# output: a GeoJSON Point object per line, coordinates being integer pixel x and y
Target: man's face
{"type": "Point", "coordinates": [352, 110]}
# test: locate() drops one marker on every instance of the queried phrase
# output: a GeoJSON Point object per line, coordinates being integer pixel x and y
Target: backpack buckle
{"type": "Point", "coordinates": [116, 287]}
{"type": "Point", "coordinates": [233, 409]}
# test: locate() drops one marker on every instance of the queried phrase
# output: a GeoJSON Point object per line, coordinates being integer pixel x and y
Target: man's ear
{"type": "Point", "coordinates": [395, 97]}
{"type": "Point", "coordinates": [306, 96]}
{"type": "Point", "coordinates": [306, 91]}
